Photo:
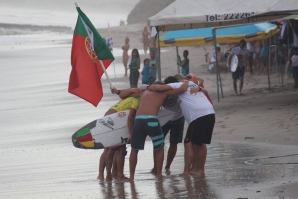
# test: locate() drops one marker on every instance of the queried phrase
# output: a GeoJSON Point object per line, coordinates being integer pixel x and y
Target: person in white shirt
{"type": "Point", "coordinates": [242, 54]}
{"type": "Point", "coordinates": [251, 48]}
{"type": "Point", "coordinates": [200, 115]}
{"type": "Point", "coordinates": [294, 60]}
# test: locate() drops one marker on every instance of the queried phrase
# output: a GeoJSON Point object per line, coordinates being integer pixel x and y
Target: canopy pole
{"type": "Point", "coordinates": [100, 61]}
{"type": "Point", "coordinates": [279, 63]}
{"type": "Point", "coordinates": [158, 57]}
{"type": "Point", "coordinates": [177, 53]}
{"type": "Point", "coordinates": [216, 64]}
{"type": "Point", "coordinates": [268, 69]}
{"type": "Point", "coordinates": [276, 58]}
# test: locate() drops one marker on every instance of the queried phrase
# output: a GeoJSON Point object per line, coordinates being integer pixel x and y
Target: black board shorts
{"type": "Point", "coordinates": [145, 125]}
{"type": "Point", "coordinates": [238, 73]}
{"type": "Point", "coordinates": [175, 128]}
{"type": "Point", "coordinates": [200, 130]}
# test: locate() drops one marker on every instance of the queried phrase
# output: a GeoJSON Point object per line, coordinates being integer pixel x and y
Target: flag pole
{"type": "Point", "coordinates": [100, 61]}
{"type": "Point", "coordinates": [112, 49]}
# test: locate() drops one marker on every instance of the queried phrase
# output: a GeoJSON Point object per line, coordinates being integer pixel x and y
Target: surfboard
{"type": "Point", "coordinates": [234, 63]}
{"type": "Point", "coordinates": [110, 130]}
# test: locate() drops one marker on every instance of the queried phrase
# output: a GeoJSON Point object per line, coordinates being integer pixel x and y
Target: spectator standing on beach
{"type": "Point", "coordinates": [251, 48]}
{"type": "Point", "coordinates": [151, 43]}
{"type": "Point", "coordinates": [264, 54]}
{"type": "Point", "coordinates": [145, 71]}
{"type": "Point", "coordinates": [146, 35]}
{"type": "Point", "coordinates": [294, 60]}
{"type": "Point", "coordinates": [258, 48]}
{"type": "Point", "coordinates": [152, 68]}
{"type": "Point", "coordinates": [184, 64]}
{"type": "Point", "coordinates": [220, 58]}
{"type": "Point", "coordinates": [125, 56]}
{"type": "Point", "coordinates": [134, 67]}
{"type": "Point", "coordinates": [242, 54]}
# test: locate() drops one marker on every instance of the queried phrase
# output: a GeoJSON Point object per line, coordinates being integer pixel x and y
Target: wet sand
{"type": "Point", "coordinates": [253, 154]}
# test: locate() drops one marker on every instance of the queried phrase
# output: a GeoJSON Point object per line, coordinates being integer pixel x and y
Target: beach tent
{"type": "Point", "coordinates": [190, 14]}
{"type": "Point", "coordinates": [203, 36]}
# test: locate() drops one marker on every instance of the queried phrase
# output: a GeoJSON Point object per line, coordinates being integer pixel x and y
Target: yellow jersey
{"type": "Point", "coordinates": [126, 104]}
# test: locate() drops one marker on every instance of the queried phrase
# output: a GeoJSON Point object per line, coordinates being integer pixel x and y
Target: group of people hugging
{"type": "Point", "coordinates": [189, 100]}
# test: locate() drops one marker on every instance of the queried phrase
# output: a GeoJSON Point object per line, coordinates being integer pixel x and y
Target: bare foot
{"type": "Point", "coordinates": [236, 94]}
{"type": "Point", "coordinates": [122, 178]}
{"type": "Point", "coordinates": [159, 177]}
{"type": "Point", "coordinates": [184, 175]}
{"type": "Point", "coordinates": [114, 175]}
{"type": "Point", "coordinates": [153, 171]}
{"type": "Point", "coordinates": [109, 178]}
{"type": "Point", "coordinates": [131, 179]}
{"type": "Point", "coordinates": [167, 171]}
{"type": "Point", "coordinates": [100, 177]}
{"type": "Point", "coordinates": [197, 173]}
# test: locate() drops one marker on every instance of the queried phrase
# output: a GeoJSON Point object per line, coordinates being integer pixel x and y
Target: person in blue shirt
{"type": "Point", "coordinates": [145, 71]}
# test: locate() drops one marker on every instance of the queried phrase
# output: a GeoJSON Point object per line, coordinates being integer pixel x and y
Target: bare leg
{"type": "Point", "coordinates": [120, 163]}
{"type": "Point", "coordinates": [159, 162]}
{"type": "Point", "coordinates": [125, 60]}
{"type": "Point", "coordinates": [133, 159]}
{"type": "Point", "coordinates": [201, 155]}
{"type": "Point", "coordinates": [102, 164]}
{"type": "Point", "coordinates": [115, 165]}
{"type": "Point", "coordinates": [153, 170]}
{"type": "Point", "coordinates": [240, 85]}
{"type": "Point", "coordinates": [235, 86]}
{"type": "Point", "coordinates": [193, 163]}
{"type": "Point", "coordinates": [188, 158]}
{"type": "Point", "coordinates": [171, 155]}
{"type": "Point", "coordinates": [109, 164]}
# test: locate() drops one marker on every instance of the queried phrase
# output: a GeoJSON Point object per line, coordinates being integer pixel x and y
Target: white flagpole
{"type": "Point", "coordinates": [100, 61]}
{"type": "Point", "coordinates": [110, 35]}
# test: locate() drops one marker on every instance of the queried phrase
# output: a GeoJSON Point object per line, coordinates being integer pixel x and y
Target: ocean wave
{"type": "Point", "coordinates": [19, 29]}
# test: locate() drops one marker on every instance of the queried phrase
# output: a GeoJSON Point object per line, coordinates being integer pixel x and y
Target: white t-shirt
{"type": "Point", "coordinates": [242, 54]}
{"type": "Point", "coordinates": [193, 106]}
{"type": "Point", "coordinates": [294, 60]}
{"type": "Point", "coordinates": [250, 47]}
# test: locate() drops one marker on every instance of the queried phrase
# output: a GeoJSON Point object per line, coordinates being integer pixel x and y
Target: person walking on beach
{"type": "Point", "coordinates": [152, 68]}
{"type": "Point", "coordinates": [145, 71]}
{"type": "Point", "coordinates": [184, 64]}
{"type": "Point", "coordinates": [125, 56]}
{"type": "Point", "coordinates": [294, 60]}
{"type": "Point", "coordinates": [200, 115]}
{"type": "Point", "coordinates": [146, 35]}
{"type": "Point", "coordinates": [242, 54]}
{"type": "Point", "coordinates": [147, 123]}
{"type": "Point", "coordinates": [134, 67]}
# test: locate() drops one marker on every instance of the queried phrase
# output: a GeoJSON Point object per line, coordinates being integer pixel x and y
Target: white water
{"type": "Point", "coordinates": [63, 13]}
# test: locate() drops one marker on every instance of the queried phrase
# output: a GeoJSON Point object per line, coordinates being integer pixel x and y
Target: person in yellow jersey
{"type": "Point", "coordinates": [117, 153]}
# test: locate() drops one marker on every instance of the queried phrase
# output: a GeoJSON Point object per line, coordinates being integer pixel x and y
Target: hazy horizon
{"type": "Point", "coordinates": [63, 13]}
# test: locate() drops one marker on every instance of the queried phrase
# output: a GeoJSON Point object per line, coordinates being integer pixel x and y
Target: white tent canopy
{"type": "Point", "coordinates": [188, 14]}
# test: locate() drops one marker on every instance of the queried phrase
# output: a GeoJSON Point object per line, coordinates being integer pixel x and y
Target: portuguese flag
{"type": "Point", "coordinates": [87, 49]}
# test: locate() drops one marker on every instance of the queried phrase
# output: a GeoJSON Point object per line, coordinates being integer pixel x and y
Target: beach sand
{"type": "Point", "coordinates": [253, 154]}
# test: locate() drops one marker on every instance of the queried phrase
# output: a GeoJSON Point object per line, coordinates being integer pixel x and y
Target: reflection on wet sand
{"type": "Point", "coordinates": [230, 166]}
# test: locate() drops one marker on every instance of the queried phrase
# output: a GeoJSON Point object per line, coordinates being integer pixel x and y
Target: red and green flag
{"type": "Point", "coordinates": [88, 48]}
